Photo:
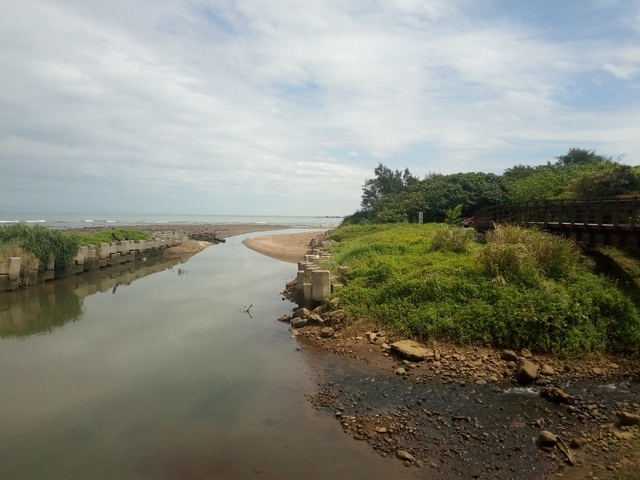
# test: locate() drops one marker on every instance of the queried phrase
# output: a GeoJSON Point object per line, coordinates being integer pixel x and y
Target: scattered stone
{"type": "Point", "coordinates": [526, 353]}
{"type": "Point", "coordinates": [526, 372]}
{"type": "Point", "coordinates": [299, 322]}
{"type": "Point", "coordinates": [509, 356]}
{"type": "Point", "coordinates": [327, 332]}
{"type": "Point", "coordinates": [628, 419]}
{"type": "Point", "coordinates": [315, 318]}
{"type": "Point", "coordinates": [400, 371]}
{"type": "Point", "coordinates": [436, 355]}
{"type": "Point", "coordinates": [334, 303]}
{"type": "Point", "coordinates": [547, 439]}
{"type": "Point", "coordinates": [412, 350]}
{"type": "Point", "coordinates": [284, 318]}
{"type": "Point", "coordinates": [578, 442]}
{"type": "Point", "coordinates": [402, 455]}
{"type": "Point", "coordinates": [557, 395]}
{"type": "Point", "coordinates": [547, 370]}
{"type": "Point", "coordinates": [597, 371]}
{"type": "Point", "coordinates": [381, 430]}
{"type": "Point", "coordinates": [301, 313]}
{"type": "Point", "coordinates": [624, 435]}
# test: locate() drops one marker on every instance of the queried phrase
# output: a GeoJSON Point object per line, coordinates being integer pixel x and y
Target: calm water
{"type": "Point", "coordinates": [157, 373]}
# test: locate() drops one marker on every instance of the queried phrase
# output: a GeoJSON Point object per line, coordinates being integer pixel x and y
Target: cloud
{"type": "Point", "coordinates": [258, 107]}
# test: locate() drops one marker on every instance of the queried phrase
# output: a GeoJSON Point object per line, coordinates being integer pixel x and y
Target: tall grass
{"type": "Point", "coordinates": [44, 244]}
{"type": "Point", "coordinates": [514, 253]}
{"type": "Point", "coordinates": [520, 289]}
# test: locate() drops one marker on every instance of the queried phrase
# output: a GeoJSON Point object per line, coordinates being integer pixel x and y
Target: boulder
{"type": "Point", "coordinates": [526, 372]}
{"type": "Point", "coordinates": [628, 419]}
{"type": "Point", "coordinates": [547, 439]}
{"type": "Point", "coordinates": [327, 332]}
{"type": "Point", "coordinates": [299, 322]}
{"type": "Point", "coordinates": [509, 356]}
{"type": "Point", "coordinates": [301, 313]}
{"type": "Point", "coordinates": [412, 350]}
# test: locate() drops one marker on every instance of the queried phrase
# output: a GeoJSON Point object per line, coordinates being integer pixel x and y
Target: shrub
{"type": "Point", "coordinates": [46, 245]}
{"type": "Point", "coordinates": [451, 239]}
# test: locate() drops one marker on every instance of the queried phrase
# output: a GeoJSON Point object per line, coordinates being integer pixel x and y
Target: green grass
{"type": "Point", "coordinates": [48, 245]}
{"type": "Point", "coordinates": [519, 288]}
{"type": "Point", "coordinates": [45, 244]}
{"type": "Point", "coordinates": [106, 236]}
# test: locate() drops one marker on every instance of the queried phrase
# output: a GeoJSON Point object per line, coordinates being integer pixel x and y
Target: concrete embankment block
{"type": "Point", "coordinates": [14, 268]}
{"type": "Point", "coordinates": [321, 285]}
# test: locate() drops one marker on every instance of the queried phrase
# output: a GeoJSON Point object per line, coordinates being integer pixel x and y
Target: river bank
{"type": "Point", "coordinates": [466, 412]}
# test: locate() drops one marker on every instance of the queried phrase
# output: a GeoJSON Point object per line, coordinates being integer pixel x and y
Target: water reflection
{"type": "Point", "coordinates": [45, 307]}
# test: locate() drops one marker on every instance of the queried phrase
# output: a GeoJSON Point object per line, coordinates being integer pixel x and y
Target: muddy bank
{"type": "Point", "coordinates": [462, 414]}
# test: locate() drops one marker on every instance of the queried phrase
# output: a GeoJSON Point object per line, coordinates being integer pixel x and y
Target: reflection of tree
{"type": "Point", "coordinates": [38, 310]}
{"type": "Point", "coordinates": [45, 307]}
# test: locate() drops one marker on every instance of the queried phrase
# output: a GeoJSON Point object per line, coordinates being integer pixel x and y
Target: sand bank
{"type": "Point", "coordinates": [288, 247]}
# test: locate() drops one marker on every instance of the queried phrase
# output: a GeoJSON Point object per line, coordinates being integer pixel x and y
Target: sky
{"type": "Point", "coordinates": [285, 107]}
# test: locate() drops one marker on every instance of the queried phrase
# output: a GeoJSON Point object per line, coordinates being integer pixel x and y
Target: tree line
{"type": "Point", "coordinates": [393, 196]}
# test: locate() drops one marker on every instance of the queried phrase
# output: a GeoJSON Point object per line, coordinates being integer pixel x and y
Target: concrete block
{"type": "Point", "coordinates": [307, 291]}
{"type": "Point", "coordinates": [4, 268]}
{"type": "Point", "coordinates": [321, 285]}
{"type": "Point", "coordinates": [14, 268]}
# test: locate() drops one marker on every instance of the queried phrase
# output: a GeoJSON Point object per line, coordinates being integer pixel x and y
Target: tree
{"type": "Point", "coordinates": [607, 180]}
{"type": "Point", "coordinates": [386, 182]}
{"type": "Point", "coordinates": [580, 156]}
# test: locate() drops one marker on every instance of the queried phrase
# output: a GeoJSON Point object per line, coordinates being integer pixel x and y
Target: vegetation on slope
{"type": "Point", "coordinates": [36, 244]}
{"type": "Point", "coordinates": [513, 288]}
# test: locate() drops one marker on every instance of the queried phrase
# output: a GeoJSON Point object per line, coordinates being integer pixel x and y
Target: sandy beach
{"type": "Point", "coordinates": [288, 247]}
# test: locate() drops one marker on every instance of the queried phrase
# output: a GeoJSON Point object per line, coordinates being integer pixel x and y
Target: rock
{"type": "Point", "coordinates": [547, 370]}
{"type": "Point", "coordinates": [547, 439]}
{"type": "Point", "coordinates": [624, 435]}
{"type": "Point", "coordinates": [475, 472]}
{"type": "Point", "coordinates": [578, 442]}
{"type": "Point", "coordinates": [526, 372]}
{"type": "Point", "coordinates": [436, 355]}
{"type": "Point", "coordinates": [333, 303]}
{"type": "Point", "coordinates": [402, 455]}
{"type": "Point", "coordinates": [381, 429]}
{"type": "Point", "coordinates": [628, 419]}
{"type": "Point", "coordinates": [301, 313]}
{"type": "Point", "coordinates": [596, 371]}
{"type": "Point", "coordinates": [327, 332]}
{"type": "Point", "coordinates": [509, 356]}
{"type": "Point", "coordinates": [412, 350]}
{"type": "Point", "coordinates": [400, 371]}
{"type": "Point", "coordinates": [526, 353]}
{"type": "Point", "coordinates": [557, 395]}
{"type": "Point", "coordinates": [284, 318]}
{"type": "Point", "coordinates": [317, 319]}
{"type": "Point", "coordinates": [299, 322]}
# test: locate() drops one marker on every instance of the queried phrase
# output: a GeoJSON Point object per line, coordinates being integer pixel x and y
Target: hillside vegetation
{"type": "Point", "coordinates": [512, 288]}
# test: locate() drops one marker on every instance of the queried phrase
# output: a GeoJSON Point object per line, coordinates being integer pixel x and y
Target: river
{"type": "Point", "coordinates": [156, 371]}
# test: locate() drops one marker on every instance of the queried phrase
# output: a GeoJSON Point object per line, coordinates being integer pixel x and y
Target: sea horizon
{"type": "Point", "coordinates": [89, 219]}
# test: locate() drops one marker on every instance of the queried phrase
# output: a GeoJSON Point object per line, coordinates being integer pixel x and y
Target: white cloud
{"type": "Point", "coordinates": [219, 102]}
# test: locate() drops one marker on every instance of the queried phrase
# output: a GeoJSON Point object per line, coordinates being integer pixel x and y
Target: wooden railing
{"type": "Point", "coordinates": [611, 221]}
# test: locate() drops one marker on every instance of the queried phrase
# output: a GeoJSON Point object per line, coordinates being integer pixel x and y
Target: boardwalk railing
{"type": "Point", "coordinates": [605, 221]}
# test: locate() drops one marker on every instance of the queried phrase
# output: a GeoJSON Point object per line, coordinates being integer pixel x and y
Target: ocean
{"type": "Point", "coordinates": [80, 220]}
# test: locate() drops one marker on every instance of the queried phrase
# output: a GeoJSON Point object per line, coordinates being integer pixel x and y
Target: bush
{"type": "Point", "coordinates": [46, 245]}
{"type": "Point", "coordinates": [523, 288]}
{"type": "Point", "coordinates": [518, 254]}
{"type": "Point", "coordinates": [451, 239]}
